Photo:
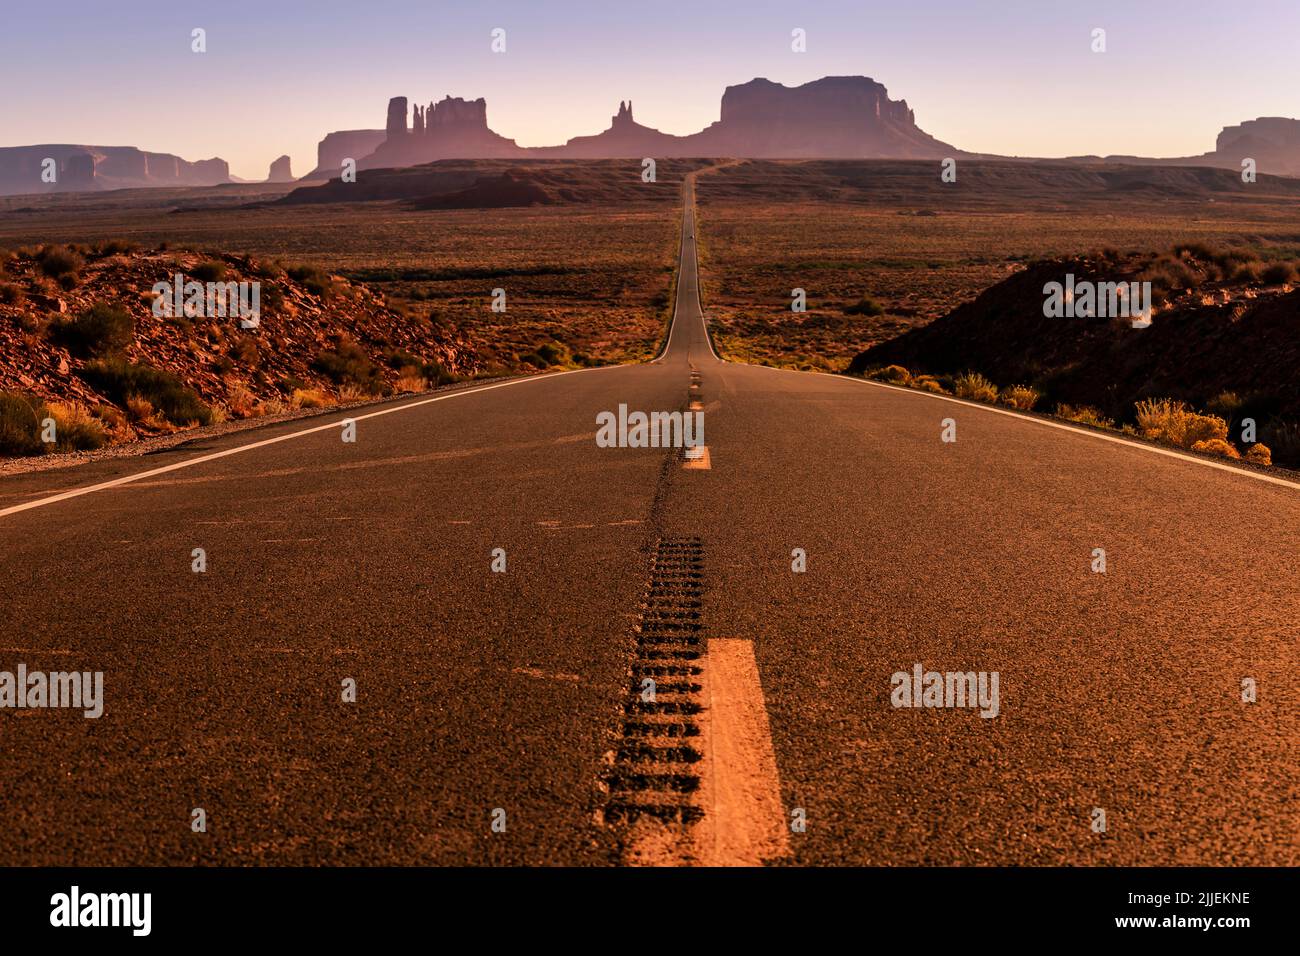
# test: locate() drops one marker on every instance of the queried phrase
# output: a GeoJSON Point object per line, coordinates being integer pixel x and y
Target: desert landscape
{"type": "Point", "coordinates": [569, 440]}
{"type": "Point", "coordinates": [584, 251]}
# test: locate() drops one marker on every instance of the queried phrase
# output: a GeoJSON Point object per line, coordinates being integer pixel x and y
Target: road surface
{"type": "Point", "coordinates": [502, 717]}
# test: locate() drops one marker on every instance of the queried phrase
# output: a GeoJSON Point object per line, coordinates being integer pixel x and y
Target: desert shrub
{"type": "Point", "coordinates": [1225, 405]}
{"type": "Point", "coordinates": [1193, 250]}
{"type": "Point", "coordinates": [410, 382]}
{"type": "Point", "coordinates": [20, 425]}
{"type": "Point", "coordinates": [57, 261]}
{"type": "Point", "coordinates": [865, 306]}
{"type": "Point", "coordinates": [553, 353]}
{"type": "Point", "coordinates": [1022, 397]}
{"type": "Point", "coordinates": [894, 374]}
{"type": "Point", "coordinates": [1248, 272]}
{"type": "Point", "coordinates": [11, 294]}
{"type": "Point", "coordinates": [100, 330]}
{"type": "Point", "coordinates": [214, 270]}
{"type": "Point", "coordinates": [240, 401]}
{"type": "Point", "coordinates": [535, 360]}
{"type": "Point", "coordinates": [22, 419]}
{"type": "Point", "coordinates": [1259, 454]}
{"type": "Point", "coordinates": [270, 298]}
{"type": "Point", "coordinates": [1278, 273]}
{"type": "Point", "coordinates": [114, 247]}
{"type": "Point", "coordinates": [1173, 423]}
{"type": "Point", "coordinates": [434, 373]}
{"type": "Point", "coordinates": [314, 279]}
{"type": "Point", "coordinates": [347, 364]}
{"type": "Point", "coordinates": [1216, 446]}
{"type": "Point", "coordinates": [268, 269]}
{"type": "Point", "coordinates": [1231, 258]}
{"type": "Point", "coordinates": [1084, 415]}
{"type": "Point", "coordinates": [308, 398]}
{"type": "Point", "coordinates": [122, 381]}
{"type": "Point", "coordinates": [352, 393]}
{"type": "Point", "coordinates": [974, 386]}
{"type": "Point", "coordinates": [74, 428]}
{"type": "Point", "coordinates": [927, 383]}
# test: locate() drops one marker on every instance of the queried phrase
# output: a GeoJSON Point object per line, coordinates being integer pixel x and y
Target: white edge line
{"type": "Point", "coordinates": [1048, 423]}
{"type": "Point", "coordinates": [127, 479]}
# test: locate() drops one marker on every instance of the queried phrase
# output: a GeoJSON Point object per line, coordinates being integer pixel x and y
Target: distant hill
{"type": "Point", "coordinates": [86, 168]}
{"type": "Point", "coordinates": [1273, 142]}
{"type": "Point", "coordinates": [988, 183]}
{"type": "Point", "coordinates": [1221, 328]}
{"type": "Point", "coordinates": [981, 184]}
{"type": "Point", "coordinates": [496, 183]}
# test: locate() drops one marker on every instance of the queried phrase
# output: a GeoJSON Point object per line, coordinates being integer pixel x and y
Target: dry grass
{"type": "Point", "coordinates": [1022, 397]}
{"type": "Point", "coordinates": [1084, 415]}
{"type": "Point", "coordinates": [975, 387]}
{"type": "Point", "coordinates": [1216, 446]}
{"type": "Point", "coordinates": [1173, 423]}
{"type": "Point", "coordinates": [309, 398]}
{"type": "Point", "coordinates": [1259, 454]}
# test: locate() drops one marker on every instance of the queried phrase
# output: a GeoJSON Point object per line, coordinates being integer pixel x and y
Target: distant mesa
{"type": "Point", "coordinates": [835, 117]}
{"type": "Point", "coordinates": [84, 168]}
{"type": "Point", "coordinates": [1273, 142]}
{"type": "Point", "coordinates": [280, 171]}
{"type": "Point", "coordinates": [452, 128]}
{"type": "Point", "coordinates": [338, 147]}
{"type": "Point", "coordinates": [838, 117]}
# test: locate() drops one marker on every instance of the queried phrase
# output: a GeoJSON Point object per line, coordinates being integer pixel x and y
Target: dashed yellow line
{"type": "Point", "coordinates": [744, 821]}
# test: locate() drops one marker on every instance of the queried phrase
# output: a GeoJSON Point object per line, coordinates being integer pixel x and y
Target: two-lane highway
{"type": "Point", "coordinates": [507, 697]}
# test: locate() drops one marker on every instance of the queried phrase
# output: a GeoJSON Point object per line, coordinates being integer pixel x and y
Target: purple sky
{"type": "Point", "coordinates": [1013, 77]}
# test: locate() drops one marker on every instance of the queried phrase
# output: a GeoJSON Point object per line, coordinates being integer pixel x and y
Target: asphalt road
{"type": "Point", "coordinates": [480, 691]}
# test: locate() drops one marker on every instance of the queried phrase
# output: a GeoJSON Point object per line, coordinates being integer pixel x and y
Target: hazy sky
{"type": "Point", "coordinates": [1012, 77]}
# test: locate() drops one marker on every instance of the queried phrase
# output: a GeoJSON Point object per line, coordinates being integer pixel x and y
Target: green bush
{"type": "Point", "coordinates": [100, 330]}
{"type": "Point", "coordinates": [349, 365]}
{"type": "Point", "coordinates": [120, 380]}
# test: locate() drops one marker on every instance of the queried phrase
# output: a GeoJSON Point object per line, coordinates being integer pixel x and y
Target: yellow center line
{"type": "Point", "coordinates": [744, 821]}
